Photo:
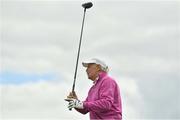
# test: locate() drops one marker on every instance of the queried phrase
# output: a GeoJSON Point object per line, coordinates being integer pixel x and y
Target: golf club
{"type": "Point", "coordinates": [85, 6]}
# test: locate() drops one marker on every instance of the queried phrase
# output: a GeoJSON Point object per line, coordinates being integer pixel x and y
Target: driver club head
{"type": "Point", "coordinates": [87, 5]}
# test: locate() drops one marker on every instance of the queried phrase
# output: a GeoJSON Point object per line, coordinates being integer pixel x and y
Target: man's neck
{"type": "Point", "coordinates": [95, 77]}
{"type": "Point", "coordinates": [94, 81]}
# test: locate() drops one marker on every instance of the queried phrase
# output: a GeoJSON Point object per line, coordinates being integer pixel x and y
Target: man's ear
{"type": "Point", "coordinates": [99, 67]}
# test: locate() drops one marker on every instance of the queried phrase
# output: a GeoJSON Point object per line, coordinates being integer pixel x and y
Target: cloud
{"type": "Point", "coordinates": [138, 40]}
{"type": "Point", "coordinates": [131, 98]}
{"type": "Point", "coordinates": [45, 100]}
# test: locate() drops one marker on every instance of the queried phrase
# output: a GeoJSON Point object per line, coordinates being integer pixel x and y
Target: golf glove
{"type": "Point", "coordinates": [74, 103]}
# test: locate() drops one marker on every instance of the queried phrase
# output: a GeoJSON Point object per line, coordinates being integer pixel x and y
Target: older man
{"type": "Point", "coordinates": [103, 100]}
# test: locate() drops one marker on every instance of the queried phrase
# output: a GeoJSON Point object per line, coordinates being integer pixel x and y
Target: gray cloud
{"type": "Point", "coordinates": [139, 41]}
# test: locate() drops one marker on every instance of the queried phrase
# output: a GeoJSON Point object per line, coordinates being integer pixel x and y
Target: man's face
{"type": "Point", "coordinates": [92, 71]}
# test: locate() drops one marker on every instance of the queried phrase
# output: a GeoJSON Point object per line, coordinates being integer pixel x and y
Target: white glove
{"type": "Point", "coordinates": [74, 103]}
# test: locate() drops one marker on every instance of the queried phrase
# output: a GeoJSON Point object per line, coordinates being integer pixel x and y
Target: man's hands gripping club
{"type": "Point", "coordinates": [73, 101]}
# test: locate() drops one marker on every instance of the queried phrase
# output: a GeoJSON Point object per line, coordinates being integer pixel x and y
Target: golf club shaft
{"type": "Point", "coordinates": [74, 82]}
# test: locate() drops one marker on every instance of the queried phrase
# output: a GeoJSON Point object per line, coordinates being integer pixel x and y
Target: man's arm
{"type": "Point", "coordinates": [83, 111]}
{"type": "Point", "coordinates": [106, 94]}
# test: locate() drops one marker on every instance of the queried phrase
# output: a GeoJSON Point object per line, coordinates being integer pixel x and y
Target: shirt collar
{"type": "Point", "coordinates": [100, 76]}
{"type": "Point", "coordinates": [95, 81]}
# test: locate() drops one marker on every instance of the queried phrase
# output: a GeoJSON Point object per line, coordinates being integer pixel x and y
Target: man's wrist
{"type": "Point", "coordinates": [79, 104]}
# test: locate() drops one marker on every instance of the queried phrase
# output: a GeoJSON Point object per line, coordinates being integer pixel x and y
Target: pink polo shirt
{"type": "Point", "coordinates": [104, 100]}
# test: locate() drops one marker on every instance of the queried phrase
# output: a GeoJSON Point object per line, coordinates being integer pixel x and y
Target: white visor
{"type": "Point", "coordinates": [104, 67]}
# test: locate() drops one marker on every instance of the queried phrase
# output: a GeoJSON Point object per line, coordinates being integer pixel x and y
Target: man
{"type": "Point", "coordinates": [103, 100]}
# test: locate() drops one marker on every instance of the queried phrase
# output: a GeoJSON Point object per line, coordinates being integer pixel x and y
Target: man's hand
{"type": "Point", "coordinates": [72, 95]}
{"type": "Point", "coordinates": [74, 103]}
{"type": "Point", "coordinates": [71, 98]}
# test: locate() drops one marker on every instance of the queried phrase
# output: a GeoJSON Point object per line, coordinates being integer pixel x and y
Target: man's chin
{"type": "Point", "coordinates": [89, 78]}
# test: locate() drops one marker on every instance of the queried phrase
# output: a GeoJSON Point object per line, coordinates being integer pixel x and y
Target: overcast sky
{"type": "Point", "coordinates": [139, 40]}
